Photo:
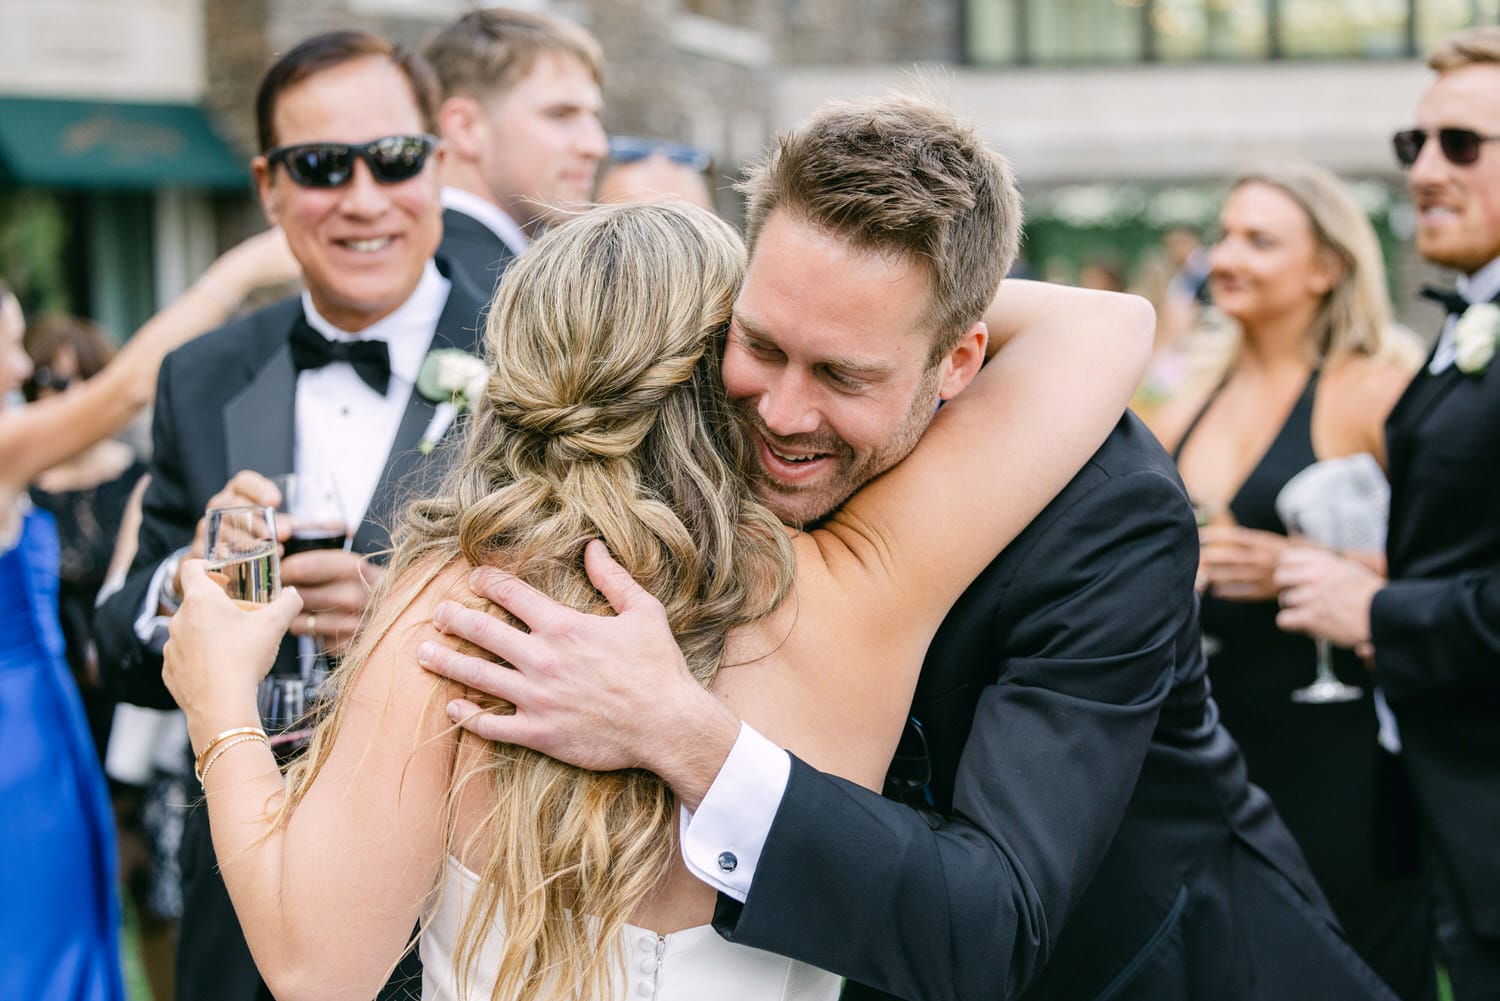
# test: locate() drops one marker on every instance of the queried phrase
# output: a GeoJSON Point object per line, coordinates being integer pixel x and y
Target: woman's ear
{"type": "Point", "coordinates": [1327, 273]}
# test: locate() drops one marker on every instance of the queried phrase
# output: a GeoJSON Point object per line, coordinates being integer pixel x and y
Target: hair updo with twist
{"type": "Point", "coordinates": [603, 417]}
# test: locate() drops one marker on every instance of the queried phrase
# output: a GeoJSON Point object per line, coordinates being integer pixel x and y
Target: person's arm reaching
{"type": "Point", "coordinates": [328, 897]}
{"type": "Point", "coordinates": [42, 434]}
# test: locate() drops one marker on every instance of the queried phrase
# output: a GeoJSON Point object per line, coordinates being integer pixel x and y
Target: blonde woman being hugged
{"type": "Point", "coordinates": [1315, 371]}
{"type": "Point", "coordinates": [605, 418]}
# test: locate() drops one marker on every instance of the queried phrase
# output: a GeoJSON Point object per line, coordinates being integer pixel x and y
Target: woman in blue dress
{"type": "Point", "coordinates": [57, 849]}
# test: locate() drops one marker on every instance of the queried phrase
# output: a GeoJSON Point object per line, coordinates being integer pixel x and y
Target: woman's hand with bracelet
{"type": "Point", "coordinates": [219, 651]}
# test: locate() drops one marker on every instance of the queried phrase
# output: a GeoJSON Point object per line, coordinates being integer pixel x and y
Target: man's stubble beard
{"type": "Point", "coordinates": [853, 473]}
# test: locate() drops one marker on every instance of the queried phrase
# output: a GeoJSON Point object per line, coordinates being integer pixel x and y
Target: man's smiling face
{"type": "Point", "coordinates": [1458, 205]}
{"type": "Point", "coordinates": [363, 245]}
{"type": "Point", "coordinates": [827, 365]}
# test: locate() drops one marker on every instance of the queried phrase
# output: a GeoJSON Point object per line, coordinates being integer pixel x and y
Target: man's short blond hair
{"type": "Point", "coordinates": [486, 52]}
{"type": "Point", "coordinates": [1469, 47]}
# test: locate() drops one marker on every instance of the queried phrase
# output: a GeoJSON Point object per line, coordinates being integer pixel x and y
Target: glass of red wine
{"type": "Point", "coordinates": [313, 509]}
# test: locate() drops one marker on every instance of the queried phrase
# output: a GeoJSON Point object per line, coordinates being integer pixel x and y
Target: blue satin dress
{"type": "Point", "coordinates": [60, 916]}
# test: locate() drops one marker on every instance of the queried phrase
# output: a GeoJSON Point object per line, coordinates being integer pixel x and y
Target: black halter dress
{"type": "Point", "coordinates": [1320, 764]}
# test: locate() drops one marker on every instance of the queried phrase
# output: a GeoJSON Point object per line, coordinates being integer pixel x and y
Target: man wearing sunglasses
{"type": "Point", "coordinates": [1432, 627]}
{"type": "Point", "coordinates": [322, 383]}
{"type": "Point", "coordinates": [520, 120]}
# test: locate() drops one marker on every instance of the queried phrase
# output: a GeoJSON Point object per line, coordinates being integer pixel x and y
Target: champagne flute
{"type": "Point", "coordinates": [1326, 686]}
{"type": "Point", "coordinates": [240, 549]}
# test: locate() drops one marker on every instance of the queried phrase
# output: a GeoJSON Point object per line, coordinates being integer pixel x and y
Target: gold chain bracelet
{"type": "Point", "coordinates": [244, 738]}
{"type": "Point", "coordinates": [199, 766]}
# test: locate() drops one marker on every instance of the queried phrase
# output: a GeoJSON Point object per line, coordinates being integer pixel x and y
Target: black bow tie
{"type": "Point", "coordinates": [1447, 298]}
{"type": "Point", "coordinates": [371, 359]}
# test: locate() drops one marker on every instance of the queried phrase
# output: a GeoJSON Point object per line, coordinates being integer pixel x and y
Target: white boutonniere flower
{"type": "Point", "coordinates": [1474, 337]}
{"type": "Point", "coordinates": [454, 380]}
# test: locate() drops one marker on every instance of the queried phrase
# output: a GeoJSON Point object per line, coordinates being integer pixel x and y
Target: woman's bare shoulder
{"type": "Point", "coordinates": [1169, 422]}
{"type": "Point", "coordinates": [1364, 388]}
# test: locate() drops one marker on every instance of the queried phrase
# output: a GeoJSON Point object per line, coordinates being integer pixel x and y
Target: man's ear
{"type": "Point", "coordinates": [265, 187]}
{"type": "Point", "coordinates": [462, 122]}
{"type": "Point", "coordinates": [962, 363]}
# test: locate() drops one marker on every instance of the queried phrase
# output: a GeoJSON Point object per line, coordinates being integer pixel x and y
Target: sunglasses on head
{"type": "Point", "coordinates": [629, 149]}
{"type": "Point", "coordinates": [391, 159]}
{"type": "Point", "coordinates": [43, 377]}
{"type": "Point", "coordinates": [1459, 146]}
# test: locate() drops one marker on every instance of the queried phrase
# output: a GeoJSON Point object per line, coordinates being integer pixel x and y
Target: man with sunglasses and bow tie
{"type": "Point", "coordinates": [1432, 630]}
{"type": "Point", "coordinates": [320, 383]}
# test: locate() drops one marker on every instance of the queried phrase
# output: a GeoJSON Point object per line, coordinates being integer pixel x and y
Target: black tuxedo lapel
{"type": "Point", "coordinates": [475, 250]}
{"type": "Point", "coordinates": [259, 429]}
{"type": "Point", "coordinates": [408, 473]}
{"type": "Point", "coordinates": [1421, 395]}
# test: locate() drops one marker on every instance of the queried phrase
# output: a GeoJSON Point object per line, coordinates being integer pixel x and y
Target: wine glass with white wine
{"type": "Point", "coordinates": [240, 548]}
{"type": "Point", "coordinates": [1326, 686]}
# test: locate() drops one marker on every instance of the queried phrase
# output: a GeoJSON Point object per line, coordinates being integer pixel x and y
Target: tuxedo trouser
{"type": "Point", "coordinates": [1473, 963]}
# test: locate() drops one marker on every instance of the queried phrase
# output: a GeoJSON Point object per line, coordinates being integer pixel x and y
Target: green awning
{"type": "Point", "coordinates": [103, 144]}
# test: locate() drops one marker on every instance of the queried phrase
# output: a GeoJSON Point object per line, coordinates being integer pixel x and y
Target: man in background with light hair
{"type": "Point", "coordinates": [520, 121]}
{"type": "Point", "coordinates": [1434, 627]}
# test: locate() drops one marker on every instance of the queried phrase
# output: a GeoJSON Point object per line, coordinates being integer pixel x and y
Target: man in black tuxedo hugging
{"type": "Point", "coordinates": [324, 383]}
{"type": "Point", "coordinates": [1433, 629]}
{"type": "Point", "coordinates": [1084, 826]}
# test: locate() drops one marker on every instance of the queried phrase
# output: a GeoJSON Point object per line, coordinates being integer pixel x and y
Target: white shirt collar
{"type": "Point", "coordinates": [494, 218]}
{"type": "Point", "coordinates": [1483, 285]}
{"type": "Point", "coordinates": [407, 330]}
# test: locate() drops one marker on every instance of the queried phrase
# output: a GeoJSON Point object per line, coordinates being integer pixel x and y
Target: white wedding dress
{"type": "Point", "coordinates": [690, 965]}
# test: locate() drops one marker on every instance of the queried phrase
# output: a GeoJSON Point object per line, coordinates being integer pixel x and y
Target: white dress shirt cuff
{"type": "Point", "coordinates": [722, 841]}
{"type": "Point", "coordinates": [150, 626]}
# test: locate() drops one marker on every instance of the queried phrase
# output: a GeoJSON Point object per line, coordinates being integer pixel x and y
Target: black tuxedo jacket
{"type": "Point", "coordinates": [224, 403]}
{"type": "Point", "coordinates": [1436, 625]}
{"type": "Point", "coordinates": [474, 249]}
{"type": "Point", "coordinates": [1089, 829]}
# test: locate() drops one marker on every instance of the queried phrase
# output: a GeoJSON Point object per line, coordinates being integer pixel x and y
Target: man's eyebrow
{"type": "Point", "coordinates": [853, 366]}
{"type": "Point", "coordinates": [749, 326]}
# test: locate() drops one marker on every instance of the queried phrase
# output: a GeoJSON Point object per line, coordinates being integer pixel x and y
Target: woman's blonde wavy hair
{"type": "Point", "coordinates": [604, 417]}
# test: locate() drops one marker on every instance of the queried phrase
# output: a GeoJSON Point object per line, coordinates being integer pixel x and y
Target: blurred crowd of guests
{"type": "Point", "coordinates": [1276, 351]}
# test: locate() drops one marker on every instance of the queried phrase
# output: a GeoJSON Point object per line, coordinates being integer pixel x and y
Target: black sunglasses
{"type": "Point", "coordinates": [1459, 146]}
{"type": "Point", "coordinates": [629, 149]}
{"type": "Point", "coordinates": [391, 160]}
{"type": "Point", "coordinates": [42, 378]}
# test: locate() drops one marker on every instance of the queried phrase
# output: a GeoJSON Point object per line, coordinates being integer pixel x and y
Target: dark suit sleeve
{"type": "Point", "coordinates": [1432, 634]}
{"type": "Point", "coordinates": [130, 668]}
{"type": "Point", "coordinates": [1085, 645]}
